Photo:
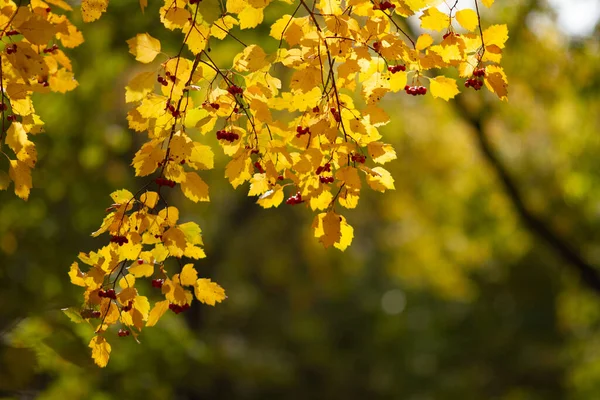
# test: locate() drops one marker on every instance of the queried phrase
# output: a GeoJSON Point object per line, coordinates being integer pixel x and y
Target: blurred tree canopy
{"type": "Point", "coordinates": [475, 279]}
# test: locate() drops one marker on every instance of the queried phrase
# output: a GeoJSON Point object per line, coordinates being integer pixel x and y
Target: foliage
{"type": "Point", "coordinates": [310, 140]}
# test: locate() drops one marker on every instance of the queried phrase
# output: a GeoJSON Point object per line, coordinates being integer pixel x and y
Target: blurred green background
{"type": "Point", "coordinates": [445, 293]}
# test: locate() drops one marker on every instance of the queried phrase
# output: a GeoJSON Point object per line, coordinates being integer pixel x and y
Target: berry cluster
{"type": "Point", "coordinates": [89, 313]}
{"type": "Point", "coordinates": [326, 167]}
{"type": "Point", "coordinates": [336, 114]}
{"type": "Point", "coordinates": [386, 5]}
{"type": "Point", "coordinates": [295, 199]}
{"type": "Point", "coordinates": [415, 90]}
{"type": "Point", "coordinates": [450, 34]}
{"type": "Point", "coordinates": [51, 49]}
{"type": "Point", "coordinates": [11, 49]}
{"type": "Point", "coordinates": [108, 294]}
{"type": "Point", "coordinates": [326, 179]}
{"type": "Point", "coordinates": [229, 136]}
{"type": "Point", "coordinates": [121, 240]}
{"type": "Point", "coordinates": [173, 78]}
{"type": "Point", "coordinates": [316, 109]}
{"type": "Point", "coordinates": [234, 89]}
{"type": "Point", "coordinates": [123, 332]}
{"type": "Point", "coordinates": [177, 308]}
{"type": "Point", "coordinates": [11, 118]}
{"type": "Point", "coordinates": [259, 167]}
{"type": "Point", "coordinates": [377, 46]}
{"type": "Point", "coordinates": [215, 106]}
{"type": "Point", "coordinates": [395, 68]}
{"type": "Point", "coordinates": [175, 113]}
{"type": "Point", "coordinates": [12, 33]}
{"type": "Point", "coordinates": [128, 306]}
{"type": "Point", "coordinates": [162, 81]}
{"type": "Point", "coordinates": [302, 131]}
{"type": "Point", "coordinates": [477, 81]}
{"type": "Point", "coordinates": [3, 107]}
{"type": "Point", "coordinates": [157, 283]}
{"type": "Point", "coordinates": [358, 158]}
{"type": "Point", "coordinates": [165, 182]}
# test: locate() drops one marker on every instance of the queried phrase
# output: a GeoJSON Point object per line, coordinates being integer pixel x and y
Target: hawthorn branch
{"type": "Point", "coordinates": [535, 224]}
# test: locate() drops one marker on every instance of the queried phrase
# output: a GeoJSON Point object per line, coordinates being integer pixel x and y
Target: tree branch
{"type": "Point", "coordinates": [588, 274]}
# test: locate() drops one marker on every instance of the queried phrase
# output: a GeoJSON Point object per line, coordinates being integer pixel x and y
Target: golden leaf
{"type": "Point", "coordinates": [188, 275]}
{"type": "Point", "coordinates": [100, 350]}
{"type": "Point", "coordinates": [144, 47]}
{"type": "Point", "coordinates": [209, 292]}
{"type": "Point", "coordinates": [444, 88]}
{"type": "Point", "coordinates": [159, 309]}
{"type": "Point", "coordinates": [467, 18]}
{"type": "Point", "coordinates": [93, 9]}
{"type": "Point", "coordinates": [194, 188]}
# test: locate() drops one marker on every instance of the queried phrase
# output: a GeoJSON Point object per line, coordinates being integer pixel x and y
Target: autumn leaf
{"type": "Point", "coordinates": [144, 47]}
{"type": "Point", "coordinates": [444, 88]}
{"type": "Point", "coordinates": [100, 350]}
{"type": "Point", "coordinates": [468, 19]}
{"type": "Point", "coordinates": [209, 292]}
{"type": "Point", "coordinates": [93, 9]}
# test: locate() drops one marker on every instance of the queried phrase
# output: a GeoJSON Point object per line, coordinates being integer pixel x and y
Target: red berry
{"type": "Point", "coordinates": [123, 333]}
{"type": "Point", "coordinates": [96, 314]}
{"type": "Point", "coordinates": [316, 109]}
{"type": "Point", "coordinates": [295, 199]}
{"type": "Point", "coordinates": [215, 106]}
{"type": "Point", "coordinates": [280, 177]}
{"type": "Point", "coordinates": [157, 283]}
{"type": "Point", "coordinates": [111, 294]}
{"type": "Point", "coordinates": [102, 293]}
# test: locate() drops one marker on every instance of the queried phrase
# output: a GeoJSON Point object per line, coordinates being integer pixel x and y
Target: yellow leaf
{"type": "Point", "coordinates": [100, 350]}
{"type": "Point", "coordinates": [16, 137]}
{"type": "Point", "coordinates": [37, 30]}
{"type": "Point", "coordinates": [259, 184]}
{"type": "Point", "coordinates": [347, 234]}
{"type": "Point", "coordinates": [251, 59]}
{"type": "Point", "coordinates": [496, 81]}
{"type": "Point", "coordinates": [349, 175]}
{"type": "Point", "coordinates": [174, 240]}
{"type": "Point", "coordinates": [271, 198]}
{"type": "Point", "coordinates": [63, 81]}
{"type": "Point", "coordinates": [147, 158]}
{"type": "Point", "coordinates": [60, 3]}
{"type": "Point", "coordinates": [149, 199]}
{"type": "Point", "coordinates": [141, 270]}
{"type": "Point", "coordinates": [220, 27]}
{"type": "Point", "coordinates": [495, 35]}
{"type": "Point", "coordinates": [444, 88]}
{"type": "Point", "coordinates": [192, 232]}
{"type": "Point", "coordinates": [20, 174]}
{"type": "Point", "coordinates": [174, 292]}
{"type": "Point", "coordinates": [209, 292]}
{"type": "Point", "coordinates": [250, 17]}
{"type": "Point", "coordinates": [424, 41]}
{"type": "Point", "coordinates": [121, 196]}
{"type": "Point", "coordinates": [159, 309]}
{"type": "Point", "coordinates": [435, 20]}
{"type": "Point", "coordinates": [188, 275]}
{"type": "Point", "coordinates": [140, 86]}
{"type": "Point", "coordinates": [170, 215]}
{"type": "Point", "coordinates": [381, 152]}
{"type": "Point", "coordinates": [76, 275]}
{"type": "Point", "coordinates": [194, 188]}
{"type": "Point", "coordinates": [93, 9]}
{"type": "Point", "coordinates": [174, 17]}
{"type": "Point", "coordinates": [197, 37]}
{"type": "Point", "coordinates": [330, 227]}
{"type": "Point", "coordinates": [382, 181]}
{"type": "Point", "coordinates": [238, 170]}
{"type": "Point", "coordinates": [160, 253]}
{"type": "Point", "coordinates": [144, 47]}
{"type": "Point", "coordinates": [467, 18]}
